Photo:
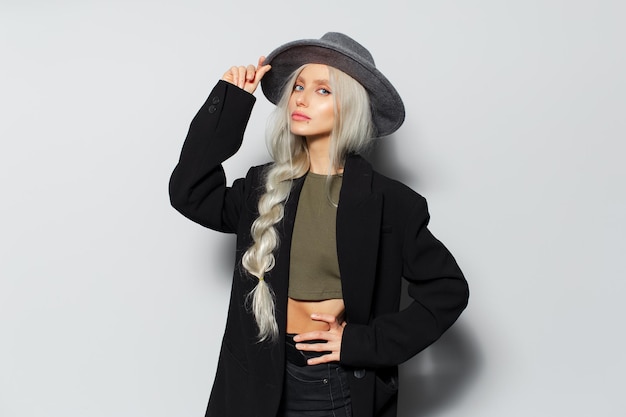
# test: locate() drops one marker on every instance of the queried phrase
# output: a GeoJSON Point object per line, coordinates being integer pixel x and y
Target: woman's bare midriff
{"type": "Point", "coordinates": [299, 314]}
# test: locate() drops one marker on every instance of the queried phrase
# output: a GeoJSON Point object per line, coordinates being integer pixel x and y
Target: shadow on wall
{"type": "Point", "coordinates": [383, 155]}
{"type": "Point", "coordinates": [439, 375]}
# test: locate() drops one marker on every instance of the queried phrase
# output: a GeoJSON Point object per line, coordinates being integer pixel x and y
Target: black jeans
{"type": "Point", "coordinates": [313, 390]}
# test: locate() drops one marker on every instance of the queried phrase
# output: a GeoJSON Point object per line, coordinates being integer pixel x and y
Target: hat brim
{"type": "Point", "coordinates": [386, 105]}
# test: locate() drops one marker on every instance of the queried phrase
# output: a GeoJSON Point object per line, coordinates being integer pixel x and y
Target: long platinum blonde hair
{"type": "Point", "coordinates": [352, 133]}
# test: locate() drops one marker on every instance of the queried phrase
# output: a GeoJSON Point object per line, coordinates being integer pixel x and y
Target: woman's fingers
{"type": "Point", "coordinates": [262, 68]}
{"type": "Point", "coordinates": [247, 77]}
{"type": "Point", "coordinates": [259, 71]}
{"type": "Point", "coordinates": [332, 345]}
{"type": "Point", "coordinates": [331, 357]}
{"type": "Point", "coordinates": [237, 75]}
{"type": "Point", "coordinates": [250, 73]}
{"type": "Point", "coordinates": [232, 75]}
{"type": "Point", "coordinates": [332, 336]}
{"type": "Point", "coordinates": [241, 77]}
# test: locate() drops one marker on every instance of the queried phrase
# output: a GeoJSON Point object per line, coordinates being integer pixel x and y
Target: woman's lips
{"type": "Point", "coordinates": [299, 117]}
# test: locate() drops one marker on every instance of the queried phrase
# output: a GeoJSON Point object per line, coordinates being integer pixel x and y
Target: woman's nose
{"type": "Point", "coordinates": [301, 99]}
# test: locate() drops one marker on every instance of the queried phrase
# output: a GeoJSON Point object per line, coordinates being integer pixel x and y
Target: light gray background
{"type": "Point", "coordinates": [112, 304]}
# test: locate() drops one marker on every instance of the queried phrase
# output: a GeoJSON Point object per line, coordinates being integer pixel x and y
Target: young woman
{"type": "Point", "coordinates": [314, 326]}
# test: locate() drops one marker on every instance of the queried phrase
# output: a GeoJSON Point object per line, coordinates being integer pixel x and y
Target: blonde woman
{"type": "Point", "coordinates": [314, 326]}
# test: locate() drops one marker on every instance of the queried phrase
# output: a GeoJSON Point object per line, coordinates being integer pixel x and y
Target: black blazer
{"type": "Point", "coordinates": [382, 237]}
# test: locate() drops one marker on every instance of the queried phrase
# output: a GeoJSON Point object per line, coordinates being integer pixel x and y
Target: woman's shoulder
{"type": "Point", "coordinates": [360, 169]}
{"type": "Point", "coordinates": [399, 199]}
{"type": "Point", "coordinates": [256, 174]}
{"type": "Point", "coordinates": [259, 170]}
{"type": "Point", "coordinates": [386, 184]}
{"type": "Point", "coordinates": [398, 195]}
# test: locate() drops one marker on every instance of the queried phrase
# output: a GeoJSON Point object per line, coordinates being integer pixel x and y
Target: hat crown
{"type": "Point", "coordinates": [349, 45]}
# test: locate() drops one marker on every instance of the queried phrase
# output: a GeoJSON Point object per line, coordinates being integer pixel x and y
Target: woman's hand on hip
{"type": "Point", "coordinates": [332, 336]}
{"type": "Point", "coordinates": [247, 78]}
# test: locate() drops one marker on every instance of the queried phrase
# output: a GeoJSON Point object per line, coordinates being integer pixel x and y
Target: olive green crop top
{"type": "Point", "coordinates": [314, 268]}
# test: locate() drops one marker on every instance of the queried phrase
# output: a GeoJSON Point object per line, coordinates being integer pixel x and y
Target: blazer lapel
{"type": "Point", "coordinates": [358, 227]}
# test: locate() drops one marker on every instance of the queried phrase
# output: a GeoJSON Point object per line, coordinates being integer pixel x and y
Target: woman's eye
{"type": "Point", "coordinates": [324, 91]}
{"type": "Point", "coordinates": [298, 88]}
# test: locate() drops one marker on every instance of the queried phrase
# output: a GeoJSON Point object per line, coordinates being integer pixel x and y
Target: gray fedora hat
{"type": "Point", "coordinates": [344, 53]}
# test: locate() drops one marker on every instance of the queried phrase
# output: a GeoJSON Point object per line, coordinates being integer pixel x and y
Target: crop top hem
{"type": "Point", "coordinates": [319, 296]}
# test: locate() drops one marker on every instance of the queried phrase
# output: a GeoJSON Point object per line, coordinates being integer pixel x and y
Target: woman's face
{"type": "Point", "coordinates": [311, 104]}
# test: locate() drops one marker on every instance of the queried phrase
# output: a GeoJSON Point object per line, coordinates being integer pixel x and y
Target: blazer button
{"type": "Point", "coordinates": [215, 100]}
{"type": "Point", "coordinates": [359, 373]}
{"type": "Point", "coordinates": [212, 109]}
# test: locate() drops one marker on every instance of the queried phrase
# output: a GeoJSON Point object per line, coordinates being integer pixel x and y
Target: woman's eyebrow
{"type": "Point", "coordinates": [301, 80]}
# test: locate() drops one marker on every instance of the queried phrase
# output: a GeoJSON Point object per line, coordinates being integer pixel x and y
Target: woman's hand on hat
{"type": "Point", "coordinates": [247, 78]}
{"type": "Point", "coordinates": [332, 336]}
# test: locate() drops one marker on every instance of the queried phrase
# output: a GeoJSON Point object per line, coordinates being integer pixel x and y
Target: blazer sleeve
{"type": "Point", "coordinates": [198, 184]}
{"type": "Point", "coordinates": [439, 294]}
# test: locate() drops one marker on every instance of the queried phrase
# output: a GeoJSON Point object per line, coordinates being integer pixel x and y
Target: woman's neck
{"type": "Point", "coordinates": [319, 156]}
